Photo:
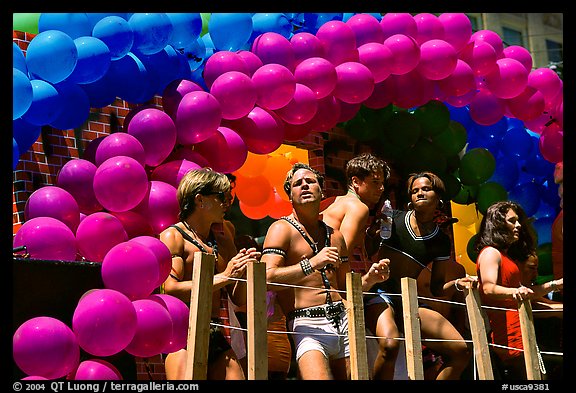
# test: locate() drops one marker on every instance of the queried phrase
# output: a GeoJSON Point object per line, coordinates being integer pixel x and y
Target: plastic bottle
{"type": "Point", "coordinates": [386, 224]}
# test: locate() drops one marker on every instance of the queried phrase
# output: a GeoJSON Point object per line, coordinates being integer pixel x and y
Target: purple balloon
{"type": "Point", "coordinates": [226, 150]}
{"type": "Point", "coordinates": [262, 130]}
{"type": "Point", "coordinates": [221, 62]}
{"type": "Point", "coordinates": [173, 94]}
{"type": "Point", "coordinates": [339, 42]}
{"type": "Point", "coordinates": [104, 322]}
{"type": "Point", "coordinates": [97, 234]}
{"type": "Point", "coordinates": [156, 132]}
{"type": "Point", "coordinates": [135, 224]}
{"type": "Point", "coordinates": [96, 369]}
{"type": "Point", "coordinates": [318, 74]}
{"type": "Point", "coordinates": [55, 202]}
{"type": "Point", "coordinates": [236, 94]}
{"type": "Point", "coordinates": [252, 61]}
{"type": "Point", "coordinates": [272, 47]}
{"type": "Point", "coordinates": [197, 118]}
{"type": "Point", "coordinates": [275, 86]}
{"type": "Point", "coordinates": [120, 144]}
{"type": "Point", "coordinates": [301, 108]}
{"type": "Point", "coordinates": [159, 205]}
{"type": "Point", "coordinates": [77, 177]}
{"type": "Point", "coordinates": [162, 253]}
{"type": "Point", "coordinates": [180, 314]}
{"type": "Point", "coordinates": [47, 238]}
{"type": "Point", "coordinates": [366, 29]}
{"type": "Point", "coordinates": [399, 23]}
{"type": "Point", "coordinates": [172, 172]}
{"type": "Point", "coordinates": [153, 329]}
{"type": "Point", "coordinates": [46, 347]}
{"type": "Point", "coordinates": [306, 45]}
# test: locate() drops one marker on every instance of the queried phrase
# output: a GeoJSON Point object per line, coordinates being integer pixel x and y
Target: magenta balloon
{"type": "Point", "coordinates": [156, 132]}
{"type": "Point", "coordinates": [159, 206]}
{"type": "Point", "coordinates": [162, 253]}
{"type": "Point", "coordinates": [355, 82]}
{"type": "Point", "coordinates": [463, 100]}
{"type": "Point", "coordinates": [480, 56]}
{"type": "Point", "coordinates": [429, 27]}
{"type": "Point", "coordinates": [318, 74]}
{"type": "Point", "coordinates": [186, 153]}
{"type": "Point", "coordinates": [47, 238]}
{"type": "Point", "coordinates": [96, 369]}
{"type": "Point", "coordinates": [295, 132]}
{"type": "Point", "coordinates": [382, 95]}
{"type": "Point", "coordinates": [120, 144]}
{"type": "Point", "coordinates": [348, 111]}
{"type": "Point", "coordinates": [551, 143]}
{"type": "Point", "coordinates": [306, 45]}
{"type": "Point", "coordinates": [509, 78]}
{"type": "Point", "coordinates": [545, 80]}
{"type": "Point", "coordinates": [457, 29]}
{"type": "Point", "coordinates": [275, 86]}
{"type": "Point", "coordinates": [135, 224]}
{"type": "Point", "coordinates": [77, 177]}
{"type": "Point", "coordinates": [179, 314]}
{"type": "Point", "coordinates": [538, 124]}
{"type": "Point", "coordinates": [97, 234]}
{"type": "Point", "coordinates": [398, 23]}
{"type": "Point", "coordinates": [92, 146]}
{"type": "Point", "coordinates": [104, 322]}
{"type": "Point", "coordinates": [412, 89]}
{"type": "Point", "coordinates": [46, 347]}
{"type": "Point", "coordinates": [172, 172]}
{"type": "Point", "coordinates": [490, 37]}
{"type": "Point", "coordinates": [173, 93]}
{"type": "Point", "coordinates": [55, 202]}
{"type": "Point", "coordinates": [438, 59]}
{"type": "Point", "coordinates": [377, 57]}
{"type": "Point", "coordinates": [339, 42]}
{"type": "Point", "coordinates": [262, 130]}
{"type": "Point", "coordinates": [120, 183]}
{"type": "Point", "coordinates": [226, 150]}
{"type": "Point", "coordinates": [486, 109]}
{"type": "Point", "coordinates": [301, 108]}
{"type": "Point", "coordinates": [272, 47]}
{"type": "Point", "coordinates": [252, 61]}
{"type": "Point", "coordinates": [327, 115]}
{"type": "Point", "coordinates": [153, 329]}
{"type": "Point", "coordinates": [527, 105]}
{"type": "Point", "coordinates": [519, 53]}
{"type": "Point", "coordinates": [221, 62]}
{"type": "Point", "coordinates": [366, 29]}
{"type": "Point", "coordinates": [236, 94]}
{"type": "Point", "coordinates": [34, 378]}
{"type": "Point", "coordinates": [461, 81]}
{"type": "Point", "coordinates": [405, 53]}
{"type": "Point", "coordinates": [558, 114]}
{"type": "Point", "coordinates": [198, 116]}
{"type": "Point", "coordinates": [130, 268]}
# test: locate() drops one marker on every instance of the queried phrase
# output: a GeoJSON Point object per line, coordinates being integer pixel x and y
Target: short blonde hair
{"type": "Point", "coordinates": [199, 181]}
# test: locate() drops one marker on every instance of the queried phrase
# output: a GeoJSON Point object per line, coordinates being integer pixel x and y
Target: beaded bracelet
{"type": "Point", "coordinates": [306, 267]}
{"type": "Point", "coordinates": [456, 285]}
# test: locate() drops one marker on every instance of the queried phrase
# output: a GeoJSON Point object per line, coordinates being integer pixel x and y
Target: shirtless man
{"type": "Point", "coordinates": [303, 251]}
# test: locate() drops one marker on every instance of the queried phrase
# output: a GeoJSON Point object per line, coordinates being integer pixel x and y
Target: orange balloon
{"type": "Point", "coordinates": [254, 165]}
{"type": "Point", "coordinates": [253, 191]}
{"type": "Point", "coordinates": [277, 207]}
{"type": "Point", "coordinates": [253, 212]}
{"type": "Point", "coordinates": [276, 170]}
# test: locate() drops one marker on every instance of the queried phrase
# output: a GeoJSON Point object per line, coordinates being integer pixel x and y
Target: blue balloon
{"type": "Point", "coordinates": [488, 141]}
{"type": "Point", "coordinates": [543, 228]}
{"type": "Point", "coordinates": [95, 17]}
{"type": "Point", "coordinates": [130, 79]}
{"type": "Point", "coordinates": [461, 115]}
{"type": "Point", "coordinates": [93, 60]}
{"type": "Point", "coordinates": [535, 164]}
{"type": "Point", "coordinates": [271, 22]}
{"type": "Point", "coordinates": [75, 24]}
{"type": "Point", "coordinates": [163, 67]}
{"type": "Point", "coordinates": [549, 192]}
{"type": "Point", "coordinates": [46, 103]}
{"type": "Point", "coordinates": [76, 106]}
{"type": "Point", "coordinates": [496, 130]}
{"type": "Point", "coordinates": [186, 29]}
{"type": "Point", "coordinates": [506, 172]}
{"type": "Point", "coordinates": [152, 32]}
{"type": "Point", "coordinates": [230, 31]}
{"type": "Point", "coordinates": [51, 56]}
{"type": "Point", "coordinates": [546, 210]}
{"type": "Point", "coordinates": [209, 45]}
{"type": "Point", "coordinates": [516, 143]}
{"type": "Point", "coordinates": [313, 21]}
{"type": "Point", "coordinates": [526, 195]}
{"type": "Point", "coordinates": [18, 59]}
{"type": "Point", "coordinates": [100, 93]}
{"type": "Point", "coordinates": [22, 93]}
{"type": "Point", "coordinates": [15, 154]}
{"type": "Point", "coordinates": [116, 33]}
{"type": "Point", "coordinates": [25, 134]}
{"type": "Point", "coordinates": [195, 52]}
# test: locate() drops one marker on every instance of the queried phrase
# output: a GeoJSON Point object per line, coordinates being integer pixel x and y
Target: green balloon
{"type": "Point", "coordinates": [403, 130]}
{"type": "Point", "coordinates": [433, 116]}
{"type": "Point", "coordinates": [544, 252]}
{"type": "Point", "coordinates": [27, 22]}
{"type": "Point", "coordinates": [451, 140]}
{"type": "Point", "coordinates": [490, 193]}
{"type": "Point", "coordinates": [472, 254]}
{"type": "Point", "coordinates": [466, 195]}
{"type": "Point", "coordinates": [205, 20]}
{"type": "Point", "coordinates": [477, 166]}
{"type": "Point", "coordinates": [452, 185]}
{"type": "Point", "coordinates": [366, 125]}
{"type": "Point", "coordinates": [424, 156]}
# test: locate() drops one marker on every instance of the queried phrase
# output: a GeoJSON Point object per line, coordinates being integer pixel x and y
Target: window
{"type": "Point", "coordinates": [512, 37]}
{"type": "Point", "coordinates": [554, 50]}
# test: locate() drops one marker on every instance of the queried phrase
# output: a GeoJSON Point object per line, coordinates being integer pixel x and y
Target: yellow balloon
{"type": "Point", "coordinates": [462, 235]}
{"type": "Point", "coordinates": [466, 214]}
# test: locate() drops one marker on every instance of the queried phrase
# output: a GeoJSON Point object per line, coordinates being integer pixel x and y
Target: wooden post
{"type": "Point", "coordinates": [529, 341]}
{"type": "Point", "coordinates": [479, 334]}
{"type": "Point", "coordinates": [356, 327]}
{"type": "Point", "coordinates": [414, 362]}
{"type": "Point", "coordinates": [257, 322]}
{"type": "Point", "coordinates": [200, 315]}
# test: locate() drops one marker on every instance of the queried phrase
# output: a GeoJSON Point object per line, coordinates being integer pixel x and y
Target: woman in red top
{"type": "Point", "coordinates": [504, 238]}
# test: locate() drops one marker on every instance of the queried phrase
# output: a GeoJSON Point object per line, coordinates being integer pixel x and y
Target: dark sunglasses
{"type": "Point", "coordinates": [222, 196]}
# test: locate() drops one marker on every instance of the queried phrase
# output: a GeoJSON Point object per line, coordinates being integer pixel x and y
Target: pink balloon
{"type": "Point", "coordinates": [527, 105]}
{"type": "Point", "coordinates": [480, 56]}
{"type": "Point", "coordinates": [327, 115]}
{"type": "Point", "coordinates": [377, 57]}
{"type": "Point", "coordinates": [252, 61]}
{"type": "Point", "coordinates": [55, 202]}
{"type": "Point", "coordinates": [412, 89]}
{"type": "Point", "coordinates": [134, 111]}
{"type": "Point", "coordinates": [134, 223]}
{"type": "Point", "coordinates": [174, 92]}
{"type": "Point", "coordinates": [46, 238]}
{"type": "Point", "coordinates": [262, 130]}
{"type": "Point", "coordinates": [318, 74]}
{"type": "Point", "coordinates": [519, 53]}
{"type": "Point", "coordinates": [457, 29]}
{"type": "Point", "coordinates": [120, 183]}
{"type": "Point", "coordinates": [355, 82]}
{"type": "Point", "coordinates": [398, 23]}
{"type": "Point", "coordinates": [405, 53]}
{"type": "Point", "coordinates": [159, 205]}
{"type": "Point", "coordinates": [91, 147]}
{"type": "Point", "coordinates": [509, 78]}
{"type": "Point", "coordinates": [486, 109]}
{"type": "Point", "coordinates": [339, 42]}
{"type": "Point", "coordinates": [162, 253]}
{"type": "Point", "coordinates": [156, 132]}
{"type": "Point", "coordinates": [461, 101]}
{"type": "Point", "coordinates": [186, 153]}
{"type": "Point", "coordinates": [539, 123]}
{"type": "Point", "coordinates": [236, 94]}
{"type": "Point", "coordinates": [153, 329]}
{"type": "Point", "coordinates": [104, 322]}
{"type": "Point", "coordinates": [34, 378]}
{"type": "Point", "coordinates": [559, 114]}
{"type": "Point", "coordinates": [438, 59]}
{"type": "Point", "coordinates": [295, 132]}
{"type": "Point", "coordinates": [305, 45]}
{"type": "Point", "coordinates": [301, 108]}
{"type": "Point", "coordinates": [130, 268]}
{"type": "Point", "coordinates": [490, 37]}
{"type": "Point", "coordinates": [96, 369]}
{"type": "Point", "coordinates": [545, 80]}
{"type": "Point", "coordinates": [97, 234]}
{"type": "Point", "coordinates": [77, 177]}
{"type": "Point", "coordinates": [226, 150]}
{"type": "Point", "coordinates": [366, 29]}
{"type": "Point", "coordinates": [172, 172]}
{"type": "Point", "coordinates": [179, 314]}
{"type": "Point", "coordinates": [45, 347]}
{"type": "Point", "coordinates": [429, 27]}
{"type": "Point", "coordinates": [120, 144]}
{"type": "Point", "coordinates": [348, 111]}
{"type": "Point", "coordinates": [461, 81]}
{"type": "Point", "coordinates": [197, 118]}
{"type": "Point", "coordinates": [272, 47]}
{"type": "Point", "coordinates": [275, 86]}
{"type": "Point", "coordinates": [221, 62]}
{"type": "Point", "coordinates": [551, 143]}
{"type": "Point", "coordinates": [383, 94]}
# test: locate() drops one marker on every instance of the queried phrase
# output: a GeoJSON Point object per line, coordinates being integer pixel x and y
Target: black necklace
{"type": "Point", "coordinates": [213, 244]}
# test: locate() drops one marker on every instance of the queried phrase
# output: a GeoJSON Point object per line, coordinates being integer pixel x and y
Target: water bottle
{"type": "Point", "coordinates": [386, 223]}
